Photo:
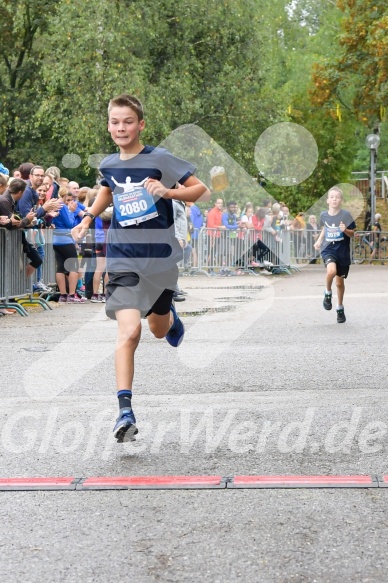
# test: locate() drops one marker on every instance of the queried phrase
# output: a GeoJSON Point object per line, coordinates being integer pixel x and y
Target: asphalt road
{"type": "Point", "coordinates": [266, 382]}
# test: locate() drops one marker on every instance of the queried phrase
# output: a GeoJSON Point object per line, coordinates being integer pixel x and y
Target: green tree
{"type": "Point", "coordinates": [189, 63]}
{"type": "Point", "coordinates": [358, 75]}
{"type": "Point", "coordinates": [22, 26]}
{"type": "Point", "coordinates": [307, 33]}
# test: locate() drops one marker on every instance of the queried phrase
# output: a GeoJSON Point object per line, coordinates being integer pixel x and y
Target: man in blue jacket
{"type": "Point", "coordinates": [196, 219]}
{"type": "Point", "coordinates": [30, 197]}
{"type": "Point", "coordinates": [230, 222]}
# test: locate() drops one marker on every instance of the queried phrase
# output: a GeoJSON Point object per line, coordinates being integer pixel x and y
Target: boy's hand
{"type": "Point", "coordinates": [317, 245]}
{"type": "Point", "coordinates": [342, 226]}
{"type": "Point", "coordinates": [79, 232]}
{"type": "Point", "coordinates": [155, 187]}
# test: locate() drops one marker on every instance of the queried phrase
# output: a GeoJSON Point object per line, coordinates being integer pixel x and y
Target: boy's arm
{"type": "Point", "coordinates": [318, 242]}
{"type": "Point", "coordinates": [194, 190]}
{"type": "Point", "coordinates": [346, 231]}
{"type": "Point", "coordinates": [103, 200]}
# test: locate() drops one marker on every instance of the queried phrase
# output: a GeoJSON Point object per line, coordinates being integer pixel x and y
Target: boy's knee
{"type": "Point", "coordinates": [129, 336]}
{"type": "Point", "coordinates": [159, 331]}
{"type": "Point", "coordinates": [159, 334]}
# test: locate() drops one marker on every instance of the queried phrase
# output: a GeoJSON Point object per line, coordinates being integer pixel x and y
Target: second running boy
{"type": "Point", "coordinates": [337, 228]}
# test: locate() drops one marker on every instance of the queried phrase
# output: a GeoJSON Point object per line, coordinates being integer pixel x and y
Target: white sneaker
{"type": "Point", "coordinates": [40, 286]}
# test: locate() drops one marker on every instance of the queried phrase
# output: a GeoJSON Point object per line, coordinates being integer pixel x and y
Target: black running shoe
{"type": "Point", "coordinates": [327, 302]}
{"type": "Point", "coordinates": [341, 318]}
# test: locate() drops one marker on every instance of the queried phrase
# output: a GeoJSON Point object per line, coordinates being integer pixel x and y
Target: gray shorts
{"type": "Point", "coordinates": [150, 294]}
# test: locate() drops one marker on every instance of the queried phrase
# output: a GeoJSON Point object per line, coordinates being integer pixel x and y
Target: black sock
{"type": "Point", "coordinates": [124, 398]}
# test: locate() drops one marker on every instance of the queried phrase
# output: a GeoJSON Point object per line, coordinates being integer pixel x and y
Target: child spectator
{"type": "Point", "coordinates": [66, 255]}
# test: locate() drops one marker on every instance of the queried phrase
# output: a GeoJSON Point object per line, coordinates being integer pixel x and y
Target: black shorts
{"type": "Point", "coordinates": [66, 257]}
{"type": "Point", "coordinates": [148, 294]}
{"type": "Point", "coordinates": [100, 250]}
{"type": "Point", "coordinates": [32, 254]}
{"type": "Point", "coordinates": [342, 270]}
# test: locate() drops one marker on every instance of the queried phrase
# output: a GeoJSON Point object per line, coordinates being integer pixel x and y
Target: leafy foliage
{"type": "Point", "coordinates": [233, 67]}
{"type": "Point", "coordinates": [23, 25]}
{"type": "Point", "coordinates": [358, 75]}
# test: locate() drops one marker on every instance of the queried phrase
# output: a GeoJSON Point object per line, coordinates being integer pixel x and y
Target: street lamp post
{"type": "Point", "coordinates": [372, 141]}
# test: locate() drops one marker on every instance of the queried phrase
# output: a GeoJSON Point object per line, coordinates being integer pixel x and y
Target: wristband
{"type": "Point", "coordinates": [89, 215]}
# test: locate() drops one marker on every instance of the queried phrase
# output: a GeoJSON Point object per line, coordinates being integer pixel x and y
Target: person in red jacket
{"type": "Point", "coordinates": [215, 226]}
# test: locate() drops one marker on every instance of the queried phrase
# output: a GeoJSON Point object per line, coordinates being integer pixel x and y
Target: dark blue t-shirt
{"type": "Point", "coordinates": [141, 237]}
{"type": "Point", "coordinates": [335, 243]}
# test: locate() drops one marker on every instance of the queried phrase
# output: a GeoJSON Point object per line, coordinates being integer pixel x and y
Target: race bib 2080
{"type": "Point", "coordinates": [132, 203]}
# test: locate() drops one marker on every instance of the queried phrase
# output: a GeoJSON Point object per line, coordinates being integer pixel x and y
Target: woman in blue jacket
{"type": "Point", "coordinates": [66, 255]}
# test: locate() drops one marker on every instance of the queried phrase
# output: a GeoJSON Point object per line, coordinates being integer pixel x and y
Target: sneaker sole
{"type": "Point", "coordinates": [328, 307]}
{"type": "Point", "coordinates": [125, 434]}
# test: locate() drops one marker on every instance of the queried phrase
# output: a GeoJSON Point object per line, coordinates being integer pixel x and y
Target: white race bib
{"type": "Point", "coordinates": [333, 233]}
{"type": "Point", "coordinates": [135, 205]}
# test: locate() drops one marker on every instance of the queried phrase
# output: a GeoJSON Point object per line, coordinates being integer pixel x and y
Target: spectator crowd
{"type": "Point", "coordinates": [33, 200]}
{"type": "Point", "coordinates": [224, 239]}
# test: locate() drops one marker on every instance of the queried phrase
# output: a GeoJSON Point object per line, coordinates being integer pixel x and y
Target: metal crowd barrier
{"type": "Point", "coordinates": [214, 250]}
{"type": "Point", "coordinates": [14, 284]}
{"type": "Point", "coordinates": [223, 250]}
{"type": "Point", "coordinates": [302, 245]}
{"type": "Point", "coordinates": [368, 246]}
{"type": "Point", "coordinates": [13, 281]}
{"type": "Point", "coordinates": [49, 267]}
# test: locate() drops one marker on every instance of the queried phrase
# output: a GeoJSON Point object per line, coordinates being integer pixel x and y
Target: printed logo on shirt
{"type": "Point", "coordinates": [333, 233]}
{"type": "Point", "coordinates": [133, 204]}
